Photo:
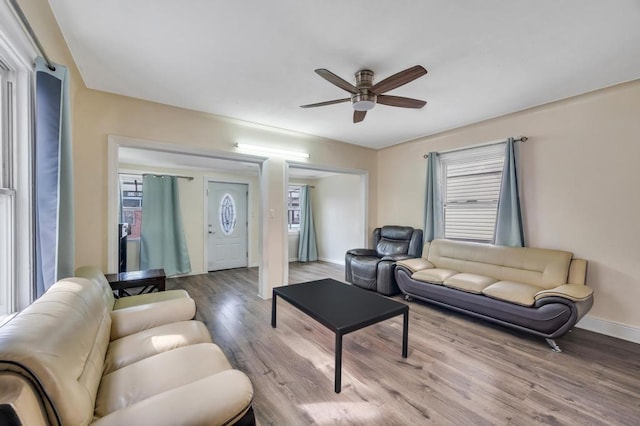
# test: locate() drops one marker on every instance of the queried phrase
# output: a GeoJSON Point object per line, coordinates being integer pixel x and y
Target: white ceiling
{"type": "Point", "coordinates": [254, 60]}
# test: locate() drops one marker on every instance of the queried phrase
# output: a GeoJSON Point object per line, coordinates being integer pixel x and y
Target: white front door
{"type": "Point", "coordinates": [227, 225]}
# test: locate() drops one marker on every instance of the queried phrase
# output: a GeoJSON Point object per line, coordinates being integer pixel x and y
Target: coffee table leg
{"type": "Point", "coordinates": [405, 333]}
{"type": "Point", "coordinates": [273, 310]}
{"type": "Point", "coordinates": [338, 372]}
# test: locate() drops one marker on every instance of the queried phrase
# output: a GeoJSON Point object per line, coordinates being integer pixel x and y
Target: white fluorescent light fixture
{"type": "Point", "coordinates": [265, 150]}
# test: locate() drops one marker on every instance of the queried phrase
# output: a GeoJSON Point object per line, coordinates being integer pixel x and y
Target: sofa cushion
{"type": "Point", "coordinates": [514, 292]}
{"type": "Point", "coordinates": [434, 275]}
{"type": "Point", "coordinates": [132, 319]}
{"type": "Point", "coordinates": [539, 267]}
{"type": "Point", "coordinates": [146, 343]}
{"type": "Point", "coordinates": [388, 247]}
{"type": "Point", "coordinates": [471, 283]}
{"type": "Point", "coordinates": [220, 399]}
{"type": "Point", "coordinates": [395, 232]}
{"type": "Point", "coordinates": [169, 370]}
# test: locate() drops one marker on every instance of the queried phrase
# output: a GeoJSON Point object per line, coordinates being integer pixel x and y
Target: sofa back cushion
{"type": "Point", "coordinates": [390, 240]}
{"type": "Point", "coordinates": [540, 267]}
{"type": "Point", "coordinates": [59, 343]}
{"type": "Point", "coordinates": [95, 275]}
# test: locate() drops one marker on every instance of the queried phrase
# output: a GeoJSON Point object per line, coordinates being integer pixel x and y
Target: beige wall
{"type": "Point", "coordinates": [338, 215]}
{"type": "Point", "coordinates": [579, 176]}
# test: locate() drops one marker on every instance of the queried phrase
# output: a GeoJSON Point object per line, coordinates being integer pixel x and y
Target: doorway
{"type": "Point", "coordinates": [227, 225]}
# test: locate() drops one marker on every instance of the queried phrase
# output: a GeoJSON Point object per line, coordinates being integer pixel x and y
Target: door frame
{"type": "Point", "coordinates": [364, 199]}
{"type": "Point", "coordinates": [250, 214]}
{"type": "Point", "coordinates": [115, 142]}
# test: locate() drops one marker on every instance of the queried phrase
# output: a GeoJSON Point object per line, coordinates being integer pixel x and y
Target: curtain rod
{"type": "Point", "coordinates": [32, 35]}
{"type": "Point", "coordinates": [154, 174]}
{"type": "Point", "coordinates": [522, 139]}
{"type": "Point", "coordinates": [177, 176]}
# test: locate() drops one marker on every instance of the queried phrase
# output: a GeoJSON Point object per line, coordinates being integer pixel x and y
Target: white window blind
{"type": "Point", "coordinates": [471, 187]}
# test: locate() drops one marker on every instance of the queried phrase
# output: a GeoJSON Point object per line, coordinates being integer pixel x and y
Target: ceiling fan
{"type": "Point", "coordinates": [365, 95]}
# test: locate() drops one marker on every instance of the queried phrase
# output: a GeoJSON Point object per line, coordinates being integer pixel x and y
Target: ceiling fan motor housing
{"type": "Point", "coordinates": [365, 100]}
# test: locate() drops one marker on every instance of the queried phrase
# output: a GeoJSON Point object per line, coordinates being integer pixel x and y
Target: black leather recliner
{"type": "Point", "coordinates": [373, 269]}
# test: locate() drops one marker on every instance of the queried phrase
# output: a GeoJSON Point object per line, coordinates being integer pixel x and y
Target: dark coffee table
{"type": "Point", "coordinates": [148, 280]}
{"type": "Point", "coordinates": [341, 308]}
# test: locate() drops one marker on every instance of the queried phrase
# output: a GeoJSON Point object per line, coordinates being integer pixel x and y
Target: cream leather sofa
{"type": "Point", "coordinates": [62, 363]}
{"type": "Point", "coordinates": [539, 291]}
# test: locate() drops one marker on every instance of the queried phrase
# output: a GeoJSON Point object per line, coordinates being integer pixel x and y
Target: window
{"type": "Point", "coordinates": [16, 155]}
{"type": "Point", "coordinates": [7, 193]}
{"type": "Point", "coordinates": [131, 203]}
{"type": "Point", "coordinates": [293, 208]}
{"type": "Point", "coordinates": [471, 188]}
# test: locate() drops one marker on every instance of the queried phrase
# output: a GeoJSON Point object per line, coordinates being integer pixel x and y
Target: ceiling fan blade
{"type": "Point", "coordinates": [398, 79]}
{"type": "Point", "coordinates": [399, 101]}
{"type": "Point", "coordinates": [336, 101]}
{"type": "Point", "coordinates": [358, 116]}
{"type": "Point", "coordinates": [337, 81]}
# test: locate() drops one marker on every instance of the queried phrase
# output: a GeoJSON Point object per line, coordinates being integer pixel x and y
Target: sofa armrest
{"type": "Point", "coordinates": [133, 319]}
{"type": "Point", "coordinates": [363, 252]}
{"type": "Point", "coordinates": [219, 399]}
{"type": "Point", "coordinates": [577, 271]}
{"type": "Point", "coordinates": [416, 264]}
{"type": "Point", "coordinates": [19, 401]}
{"type": "Point", "coordinates": [574, 292]}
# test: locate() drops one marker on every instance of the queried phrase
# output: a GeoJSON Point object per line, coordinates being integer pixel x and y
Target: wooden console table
{"type": "Point", "coordinates": [148, 280]}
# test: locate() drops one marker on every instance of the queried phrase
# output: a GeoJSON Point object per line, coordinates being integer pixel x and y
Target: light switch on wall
{"type": "Point", "coordinates": [272, 213]}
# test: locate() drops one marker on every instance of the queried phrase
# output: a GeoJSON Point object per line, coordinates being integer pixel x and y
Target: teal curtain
{"type": "Point", "coordinates": [307, 248]}
{"type": "Point", "coordinates": [162, 240]}
{"type": "Point", "coordinates": [433, 211]}
{"type": "Point", "coordinates": [509, 229]}
{"type": "Point", "coordinates": [53, 176]}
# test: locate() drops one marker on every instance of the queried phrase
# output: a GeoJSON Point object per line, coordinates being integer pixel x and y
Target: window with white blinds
{"type": "Point", "coordinates": [471, 187]}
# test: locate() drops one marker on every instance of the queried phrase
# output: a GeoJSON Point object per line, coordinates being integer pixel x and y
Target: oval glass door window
{"type": "Point", "coordinates": [227, 214]}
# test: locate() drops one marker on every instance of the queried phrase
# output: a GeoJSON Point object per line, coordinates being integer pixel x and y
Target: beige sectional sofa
{"type": "Point", "coordinates": [539, 291]}
{"type": "Point", "coordinates": [76, 356]}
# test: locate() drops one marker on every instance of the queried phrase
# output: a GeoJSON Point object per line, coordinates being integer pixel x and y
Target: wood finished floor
{"type": "Point", "coordinates": [460, 371]}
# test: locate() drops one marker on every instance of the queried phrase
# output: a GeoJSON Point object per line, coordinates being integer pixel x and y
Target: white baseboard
{"type": "Point", "coordinates": [334, 261]}
{"type": "Point", "coordinates": [293, 259]}
{"type": "Point", "coordinates": [610, 328]}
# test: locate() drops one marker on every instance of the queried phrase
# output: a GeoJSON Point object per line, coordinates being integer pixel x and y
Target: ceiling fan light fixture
{"type": "Point", "coordinates": [363, 101]}
{"type": "Point", "coordinates": [364, 95]}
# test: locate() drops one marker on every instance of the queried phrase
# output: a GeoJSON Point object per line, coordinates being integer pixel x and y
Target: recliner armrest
{"type": "Point", "coordinates": [363, 252]}
{"type": "Point", "coordinates": [574, 292]}
{"type": "Point", "coordinates": [416, 264]}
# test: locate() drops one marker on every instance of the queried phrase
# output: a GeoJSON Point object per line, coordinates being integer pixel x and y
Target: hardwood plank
{"type": "Point", "coordinates": [460, 370]}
